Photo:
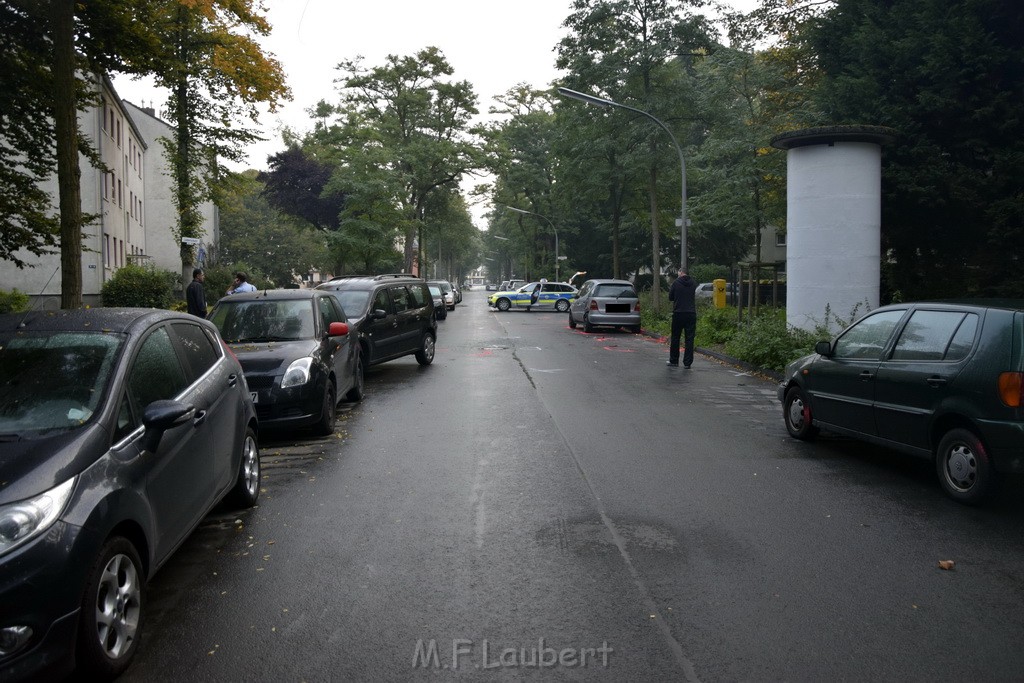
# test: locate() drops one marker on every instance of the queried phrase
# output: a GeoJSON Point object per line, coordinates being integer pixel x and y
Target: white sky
{"type": "Point", "coordinates": [493, 44]}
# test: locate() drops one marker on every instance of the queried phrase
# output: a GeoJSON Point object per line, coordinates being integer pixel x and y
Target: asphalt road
{"type": "Point", "coordinates": [540, 497]}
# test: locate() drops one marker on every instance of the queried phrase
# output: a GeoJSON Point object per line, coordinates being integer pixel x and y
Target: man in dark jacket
{"type": "Point", "coordinates": [195, 295]}
{"type": "Point", "coordinates": [684, 318]}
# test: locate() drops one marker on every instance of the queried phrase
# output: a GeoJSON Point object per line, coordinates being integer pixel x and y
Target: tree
{"type": "Point", "coordinates": [407, 134]}
{"type": "Point", "coordinates": [216, 74]}
{"type": "Point", "coordinates": [639, 53]}
{"type": "Point", "coordinates": [274, 245]}
{"type": "Point", "coordinates": [295, 185]}
{"type": "Point", "coordinates": [947, 77]}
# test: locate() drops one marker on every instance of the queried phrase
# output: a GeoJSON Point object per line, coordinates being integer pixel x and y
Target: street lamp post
{"type": "Point", "coordinates": [531, 213]}
{"type": "Point", "coordinates": [601, 102]}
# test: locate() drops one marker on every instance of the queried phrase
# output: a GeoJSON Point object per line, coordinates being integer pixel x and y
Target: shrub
{"type": "Point", "coordinates": [220, 278]}
{"type": "Point", "coordinates": [767, 342]}
{"type": "Point", "coordinates": [709, 272]}
{"type": "Point", "coordinates": [715, 325]}
{"type": "Point", "coordinates": [141, 287]}
{"type": "Point", "coordinates": [14, 302]}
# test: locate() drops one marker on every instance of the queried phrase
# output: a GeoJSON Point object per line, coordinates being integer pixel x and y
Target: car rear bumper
{"type": "Point", "coordinates": [1005, 442]}
{"type": "Point", "coordinates": [599, 318]}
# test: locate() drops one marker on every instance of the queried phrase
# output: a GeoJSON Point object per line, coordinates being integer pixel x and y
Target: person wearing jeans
{"type": "Point", "coordinates": [684, 318]}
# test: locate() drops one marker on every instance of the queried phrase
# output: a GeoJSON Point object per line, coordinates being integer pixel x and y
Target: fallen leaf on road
{"type": "Point", "coordinates": [946, 564]}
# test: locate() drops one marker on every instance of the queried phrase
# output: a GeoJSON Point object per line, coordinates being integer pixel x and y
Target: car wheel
{"type": "Point", "coordinates": [964, 468]}
{"type": "Point", "coordinates": [503, 304]}
{"type": "Point", "coordinates": [329, 412]}
{"type": "Point", "coordinates": [797, 413]}
{"type": "Point", "coordinates": [355, 394]}
{"type": "Point", "coordinates": [572, 323]}
{"type": "Point", "coordinates": [110, 621]}
{"type": "Point", "coordinates": [425, 356]}
{"type": "Point", "coordinates": [635, 329]}
{"type": "Point", "coordinates": [587, 327]}
{"type": "Point", "coordinates": [247, 486]}
{"type": "Point", "coordinates": [561, 305]}
{"type": "Point", "coordinates": [442, 313]}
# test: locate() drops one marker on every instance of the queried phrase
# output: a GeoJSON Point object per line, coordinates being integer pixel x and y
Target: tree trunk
{"type": "Point", "coordinates": [69, 174]}
{"type": "Point", "coordinates": [655, 241]}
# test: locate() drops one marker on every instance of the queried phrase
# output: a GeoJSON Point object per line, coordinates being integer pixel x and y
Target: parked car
{"type": "Point", "coordinates": [944, 381]}
{"type": "Point", "coordinates": [541, 295]}
{"type": "Point", "coordinates": [297, 352]}
{"type": "Point", "coordinates": [491, 287]}
{"type": "Point", "coordinates": [446, 292]}
{"type": "Point", "coordinates": [707, 290]}
{"type": "Point", "coordinates": [440, 309]}
{"type": "Point", "coordinates": [120, 429]}
{"type": "Point", "coordinates": [393, 315]}
{"type": "Point", "coordinates": [457, 291]}
{"type": "Point", "coordinates": [607, 303]}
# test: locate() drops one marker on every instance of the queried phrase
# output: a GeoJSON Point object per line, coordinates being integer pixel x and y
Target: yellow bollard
{"type": "Point", "coordinates": [718, 296]}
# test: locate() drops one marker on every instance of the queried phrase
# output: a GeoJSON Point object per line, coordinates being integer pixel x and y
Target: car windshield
{"type": "Point", "coordinates": [353, 301]}
{"type": "Point", "coordinates": [614, 290]}
{"type": "Point", "coordinates": [435, 290]}
{"type": "Point", "coordinates": [55, 380]}
{"type": "Point", "coordinates": [264, 320]}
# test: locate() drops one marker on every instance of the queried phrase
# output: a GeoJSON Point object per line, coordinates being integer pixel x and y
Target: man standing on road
{"type": "Point", "coordinates": [684, 318]}
{"type": "Point", "coordinates": [241, 284]}
{"type": "Point", "coordinates": [195, 295]}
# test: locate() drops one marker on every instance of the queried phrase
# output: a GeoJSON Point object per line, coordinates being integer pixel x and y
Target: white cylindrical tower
{"type": "Point", "coordinates": [833, 225]}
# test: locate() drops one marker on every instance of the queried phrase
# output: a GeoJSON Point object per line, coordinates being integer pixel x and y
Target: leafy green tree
{"type": "Point", "coordinates": [295, 185]}
{"type": "Point", "coordinates": [947, 76]}
{"type": "Point", "coordinates": [274, 245]}
{"type": "Point", "coordinates": [403, 133]}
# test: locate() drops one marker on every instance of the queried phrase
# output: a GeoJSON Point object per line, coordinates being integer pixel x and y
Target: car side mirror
{"type": "Point", "coordinates": [379, 313]}
{"type": "Point", "coordinates": [337, 329]}
{"type": "Point", "coordinates": [159, 416]}
{"type": "Point", "coordinates": [823, 348]}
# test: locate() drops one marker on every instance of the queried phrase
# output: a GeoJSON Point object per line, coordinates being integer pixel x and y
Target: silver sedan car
{"type": "Point", "coordinates": [608, 303]}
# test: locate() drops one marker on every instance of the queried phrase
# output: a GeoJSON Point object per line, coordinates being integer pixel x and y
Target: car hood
{"type": "Point", "coordinates": [271, 358]}
{"type": "Point", "coordinates": [30, 466]}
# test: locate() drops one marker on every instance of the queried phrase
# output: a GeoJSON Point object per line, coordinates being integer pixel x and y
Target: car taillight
{"type": "Point", "coordinates": [593, 305]}
{"type": "Point", "coordinates": [228, 349]}
{"type": "Point", "coordinates": [1011, 388]}
{"type": "Point", "coordinates": [637, 307]}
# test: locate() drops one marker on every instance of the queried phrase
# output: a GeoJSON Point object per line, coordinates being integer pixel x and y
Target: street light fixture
{"type": "Point", "coordinates": [531, 213]}
{"type": "Point", "coordinates": [601, 102]}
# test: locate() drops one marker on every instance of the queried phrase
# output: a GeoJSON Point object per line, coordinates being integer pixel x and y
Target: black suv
{"type": "Point", "coordinates": [393, 315]}
{"type": "Point", "coordinates": [943, 380]}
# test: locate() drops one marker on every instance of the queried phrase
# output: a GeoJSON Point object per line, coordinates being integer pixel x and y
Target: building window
{"type": "Point", "coordinates": [780, 239]}
{"type": "Point", "coordinates": [120, 193]}
{"type": "Point", "coordinates": [106, 250]}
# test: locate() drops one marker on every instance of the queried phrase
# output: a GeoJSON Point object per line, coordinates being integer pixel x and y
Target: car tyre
{"type": "Point", "coordinates": [110, 621]}
{"type": "Point", "coordinates": [797, 413]}
{"type": "Point", "coordinates": [247, 486]}
{"type": "Point", "coordinates": [561, 305]}
{"type": "Point", "coordinates": [587, 327]}
{"type": "Point", "coordinates": [503, 304]}
{"type": "Point", "coordinates": [329, 412]}
{"type": "Point", "coordinates": [425, 356]}
{"type": "Point", "coordinates": [358, 390]}
{"type": "Point", "coordinates": [635, 329]}
{"type": "Point", "coordinates": [442, 313]}
{"type": "Point", "coordinates": [572, 323]}
{"type": "Point", "coordinates": [964, 467]}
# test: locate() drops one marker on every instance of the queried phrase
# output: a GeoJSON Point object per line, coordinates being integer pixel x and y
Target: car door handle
{"type": "Point", "coordinates": [232, 380]}
{"type": "Point", "coordinates": [866, 375]}
{"type": "Point", "coordinates": [936, 381]}
{"type": "Point", "coordinates": [199, 419]}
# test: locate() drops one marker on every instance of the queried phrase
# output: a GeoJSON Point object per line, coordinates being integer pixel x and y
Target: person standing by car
{"type": "Point", "coordinates": [241, 284]}
{"type": "Point", "coordinates": [195, 295]}
{"type": "Point", "coordinates": [684, 318]}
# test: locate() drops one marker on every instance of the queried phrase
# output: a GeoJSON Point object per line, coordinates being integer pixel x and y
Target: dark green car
{"type": "Point", "coordinates": [942, 380]}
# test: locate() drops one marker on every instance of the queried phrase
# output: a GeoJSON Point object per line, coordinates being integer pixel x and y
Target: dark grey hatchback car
{"type": "Point", "coordinates": [942, 380]}
{"type": "Point", "coordinates": [120, 429]}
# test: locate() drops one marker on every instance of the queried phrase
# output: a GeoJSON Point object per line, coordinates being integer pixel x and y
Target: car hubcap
{"type": "Point", "coordinates": [251, 465]}
{"type": "Point", "coordinates": [118, 602]}
{"type": "Point", "coordinates": [428, 347]}
{"type": "Point", "coordinates": [961, 467]}
{"type": "Point", "coordinates": [796, 413]}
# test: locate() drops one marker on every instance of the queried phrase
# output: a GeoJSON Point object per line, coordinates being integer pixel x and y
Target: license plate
{"type": "Point", "coordinates": [255, 396]}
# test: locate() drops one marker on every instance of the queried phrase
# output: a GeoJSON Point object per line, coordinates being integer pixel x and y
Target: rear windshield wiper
{"type": "Point", "coordinates": [7, 438]}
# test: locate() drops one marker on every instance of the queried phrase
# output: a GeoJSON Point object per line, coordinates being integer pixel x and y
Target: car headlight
{"type": "Point", "coordinates": [297, 373]}
{"type": "Point", "coordinates": [28, 518]}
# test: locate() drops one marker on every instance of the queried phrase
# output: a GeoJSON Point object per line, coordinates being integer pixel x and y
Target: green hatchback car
{"type": "Point", "coordinates": [942, 380]}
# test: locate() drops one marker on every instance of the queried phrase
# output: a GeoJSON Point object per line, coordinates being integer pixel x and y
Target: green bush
{"type": "Point", "coordinates": [140, 287]}
{"type": "Point", "coordinates": [767, 342]}
{"type": "Point", "coordinates": [715, 325]}
{"type": "Point", "coordinates": [709, 272]}
{"type": "Point", "coordinates": [220, 278]}
{"type": "Point", "coordinates": [14, 301]}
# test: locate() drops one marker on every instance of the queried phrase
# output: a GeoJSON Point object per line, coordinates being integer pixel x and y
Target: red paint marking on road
{"type": "Point", "coordinates": [481, 355]}
{"type": "Point", "coordinates": [616, 348]}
